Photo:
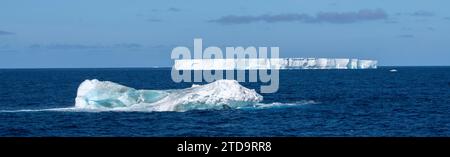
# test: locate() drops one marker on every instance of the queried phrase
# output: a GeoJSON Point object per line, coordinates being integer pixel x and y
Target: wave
{"type": "Point", "coordinates": [98, 96]}
{"type": "Point", "coordinates": [68, 109]}
{"type": "Point", "coordinates": [283, 105]}
{"type": "Point", "coordinates": [256, 106]}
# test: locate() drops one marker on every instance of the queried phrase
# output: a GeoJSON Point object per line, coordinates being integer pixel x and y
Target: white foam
{"type": "Point", "coordinates": [279, 105]}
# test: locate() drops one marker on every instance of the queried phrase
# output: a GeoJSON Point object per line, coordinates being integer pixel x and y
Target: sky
{"type": "Point", "coordinates": [140, 33]}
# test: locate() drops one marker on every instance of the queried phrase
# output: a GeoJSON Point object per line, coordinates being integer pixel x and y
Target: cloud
{"type": "Point", "coordinates": [6, 33]}
{"type": "Point", "coordinates": [174, 9]}
{"type": "Point", "coordinates": [321, 17]}
{"type": "Point", "coordinates": [154, 20]}
{"type": "Point", "coordinates": [85, 46]}
{"type": "Point", "coordinates": [171, 9]}
{"type": "Point", "coordinates": [422, 13]}
{"type": "Point", "coordinates": [74, 46]}
{"type": "Point", "coordinates": [127, 45]}
{"type": "Point", "coordinates": [406, 36]}
{"type": "Point", "coordinates": [351, 17]}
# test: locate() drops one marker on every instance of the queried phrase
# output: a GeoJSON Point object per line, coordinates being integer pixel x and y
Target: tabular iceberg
{"type": "Point", "coordinates": [95, 94]}
{"type": "Point", "coordinates": [274, 63]}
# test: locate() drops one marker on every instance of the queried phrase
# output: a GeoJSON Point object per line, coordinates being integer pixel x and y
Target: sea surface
{"type": "Point", "coordinates": [414, 101]}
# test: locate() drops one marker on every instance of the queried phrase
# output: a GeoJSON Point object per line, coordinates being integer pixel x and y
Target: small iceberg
{"type": "Point", "coordinates": [95, 94]}
{"type": "Point", "coordinates": [393, 70]}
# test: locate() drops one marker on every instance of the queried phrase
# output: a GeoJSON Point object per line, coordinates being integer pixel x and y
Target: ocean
{"type": "Point", "coordinates": [414, 101]}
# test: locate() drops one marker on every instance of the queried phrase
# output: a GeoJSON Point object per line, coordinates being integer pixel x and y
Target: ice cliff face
{"type": "Point", "coordinates": [277, 63]}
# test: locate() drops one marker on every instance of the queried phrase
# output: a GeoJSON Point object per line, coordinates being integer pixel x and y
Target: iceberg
{"type": "Point", "coordinates": [367, 64]}
{"type": "Point", "coordinates": [106, 95]}
{"type": "Point", "coordinates": [97, 96]}
{"type": "Point", "coordinates": [274, 63]}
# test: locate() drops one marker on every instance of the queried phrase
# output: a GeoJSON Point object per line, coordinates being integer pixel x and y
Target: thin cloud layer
{"type": "Point", "coordinates": [154, 20]}
{"type": "Point", "coordinates": [6, 33]}
{"type": "Point", "coordinates": [321, 17]}
{"type": "Point", "coordinates": [406, 36]}
{"type": "Point", "coordinates": [174, 9]}
{"type": "Point", "coordinates": [422, 13]}
{"type": "Point", "coordinates": [85, 46]}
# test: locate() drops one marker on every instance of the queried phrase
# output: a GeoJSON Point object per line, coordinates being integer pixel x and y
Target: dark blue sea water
{"type": "Point", "coordinates": [415, 101]}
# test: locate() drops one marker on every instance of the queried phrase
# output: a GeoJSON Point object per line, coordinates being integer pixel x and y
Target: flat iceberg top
{"type": "Point", "coordinates": [95, 94]}
{"type": "Point", "coordinates": [274, 63]}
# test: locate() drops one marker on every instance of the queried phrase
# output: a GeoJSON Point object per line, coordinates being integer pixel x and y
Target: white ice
{"type": "Point", "coordinates": [95, 94]}
{"type": "Point", "coordinates": [275, 63]}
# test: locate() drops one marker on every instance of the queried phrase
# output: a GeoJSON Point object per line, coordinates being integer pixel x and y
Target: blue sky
{"type": "Point", "coordinates": [138, 33]}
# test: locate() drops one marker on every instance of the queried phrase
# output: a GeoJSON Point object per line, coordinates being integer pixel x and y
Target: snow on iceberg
{"type": "Point", "coordinates": [274, 63]}
{"type": "Point", "coordinates": [105, 95]}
